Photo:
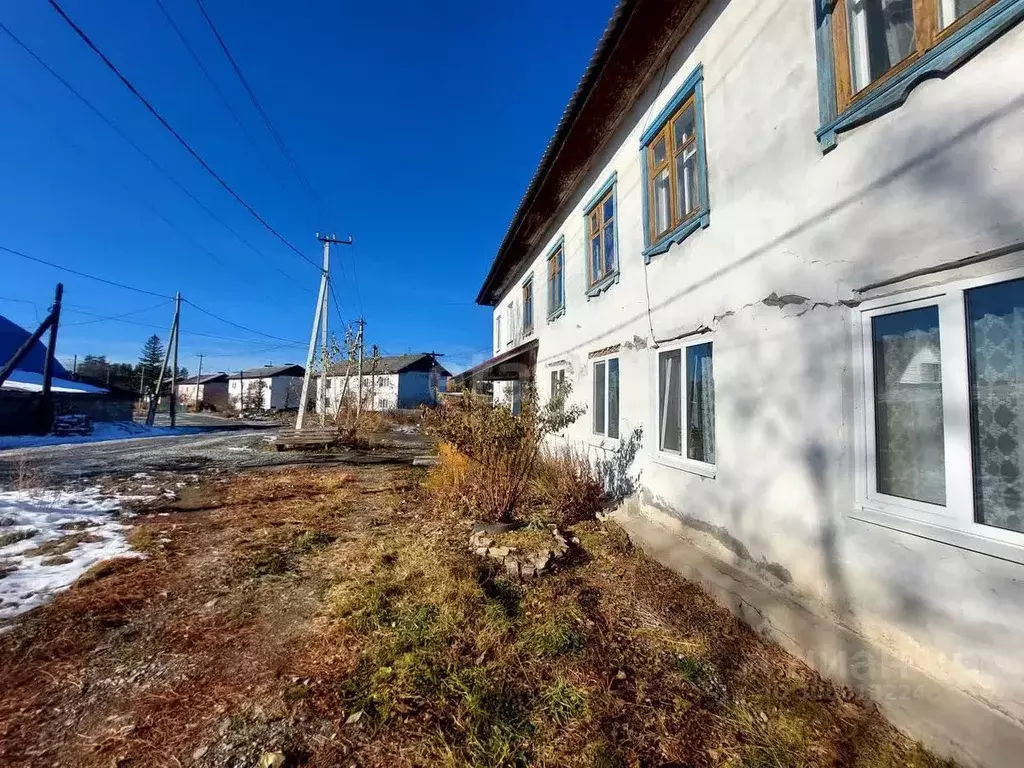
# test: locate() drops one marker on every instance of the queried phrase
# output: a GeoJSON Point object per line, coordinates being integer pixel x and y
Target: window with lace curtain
{"type": "Point", "coordinates": [943, 405]}
{"type": "Point", "coordinates": [686, 404]}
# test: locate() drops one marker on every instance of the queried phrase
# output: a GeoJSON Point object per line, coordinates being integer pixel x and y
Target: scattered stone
{"type": "Point", "coordinates": [499, 552]}
{"type": "Point", "coordinates": [354, 718]}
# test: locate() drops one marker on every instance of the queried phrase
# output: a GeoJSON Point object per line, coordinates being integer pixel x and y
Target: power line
{"type": "Point", "coordinates": [167, 174]}
{"type": "Point", "coordinates": [259, 108]}
{"type": "Point", "coordinates": [118, 319]}
{"type": "Point", "coordinates": [101, 318]}
{"type": "Point", "coordinates": [238, 325]}
{"type": "Point", "coordinates": [216, 88]}
{"type": "Point", "coordinates": [84, 274]}
{"type": "Point", "coordinates": [128, 84]}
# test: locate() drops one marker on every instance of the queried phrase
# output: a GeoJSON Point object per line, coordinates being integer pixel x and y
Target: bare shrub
{"type": "Point", "coordinates": [568, 485]}
{"type": "Point", "coordinates": [502, 446]}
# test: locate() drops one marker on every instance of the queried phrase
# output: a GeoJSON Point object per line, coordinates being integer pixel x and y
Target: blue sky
{"type": "Point", "coordinates": [417, 124]}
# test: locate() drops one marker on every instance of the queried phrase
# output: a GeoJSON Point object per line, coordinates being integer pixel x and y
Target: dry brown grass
{"type": "Point", "coordinates": [295, 600]}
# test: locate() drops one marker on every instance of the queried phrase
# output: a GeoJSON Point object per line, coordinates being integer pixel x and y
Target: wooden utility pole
{"type": "Point", "coordinates": [198, 377]}
{"type": "Point", "coordinates": [51, 351]}
{"type": "Point", "coordinates": [319, 322]}
{"type": "Point", "coordinates": [174, 366]}
{"type": "Point", "coordinates": [172, 337]}
{"type": "Point", "coordinates": [359, 404]}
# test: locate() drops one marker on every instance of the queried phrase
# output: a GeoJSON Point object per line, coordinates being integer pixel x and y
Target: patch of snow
{"type": "Point", "coordinates": [101, 431]}
{"type": "Point", "coordinates": [30, 583]}
{"type": "Point", "coordinates": [30, 381]}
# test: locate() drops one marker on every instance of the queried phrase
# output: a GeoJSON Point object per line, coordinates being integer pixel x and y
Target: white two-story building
{"type": "Point", "coordinates": [786, 239]}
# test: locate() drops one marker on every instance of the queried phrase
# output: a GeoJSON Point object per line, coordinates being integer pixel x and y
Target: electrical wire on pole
{"type": "Point", "coordinates": [127, 139]}
{"type": "Point", "coordinates": [170, 129]}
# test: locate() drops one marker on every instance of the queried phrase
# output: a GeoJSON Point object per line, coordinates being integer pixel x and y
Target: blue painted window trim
{"type": "Point", "coordinates": [612, 277]}
{"type": "Point", "coordinates": [949, 54]}
{"type": "Point", "coordinates": [557, 312]}
{"type": "Point", "coordinates": [701, 218]}
{"type": "Point", "coordinates": [529, 331]}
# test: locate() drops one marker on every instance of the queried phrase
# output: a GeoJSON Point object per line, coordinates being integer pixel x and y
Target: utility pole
{"type": "Point", "coordinates": [319, 321]}
{"type": "Point", "coordinates": [359, 404]}
{"type": "Point", "coordinates": [172, 338]}
{"type": "Point", "coordinates": [198, 377]}
{"type": "Point", "coordinates": [174, 367]}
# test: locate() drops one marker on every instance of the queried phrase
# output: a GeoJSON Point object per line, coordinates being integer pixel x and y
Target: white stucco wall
{"type": "Point", "coordinates": [936, 180]}
{"type": "Point", "coordinates": [279, 392]}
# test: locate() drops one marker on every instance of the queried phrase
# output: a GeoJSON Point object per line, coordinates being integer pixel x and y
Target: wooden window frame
{"type": "Point", "coordinates": [528, 290]}
{"type": "Point", "coordinates": [672, 152]}
{"type": "Point", "coordinates": [556, 276]}
{"type": "Point", "coordinates": [927, 35]}
{"type": "Point", "coordinates": [690, 95]}
{"type": "Point", "coordinates": [596, 221]}
{"type": "Point", "coordinates": [937, 53]}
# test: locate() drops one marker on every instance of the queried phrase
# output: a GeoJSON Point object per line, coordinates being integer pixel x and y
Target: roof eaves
{"type": "Point", "coordinates": [605, 45]}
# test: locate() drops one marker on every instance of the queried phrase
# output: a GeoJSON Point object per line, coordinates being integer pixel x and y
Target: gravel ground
{"type": "Point", "coordinates": [236, 449]}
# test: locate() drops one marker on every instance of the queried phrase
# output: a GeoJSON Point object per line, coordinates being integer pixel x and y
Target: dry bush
{"type": "Point", "coordinates": [568, 485]}
{"type": "Point", "coordinates": [502, 446]}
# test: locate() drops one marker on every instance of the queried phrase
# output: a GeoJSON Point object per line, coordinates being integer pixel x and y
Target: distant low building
{"type": "Point", "coordinates": [209, 390]}
{"type": "Point", "coordinates": [20, 400]}
{"type": "Point", "coordinates": [267, 388]}
{"type": "Point", "coordinates": [397, 381]}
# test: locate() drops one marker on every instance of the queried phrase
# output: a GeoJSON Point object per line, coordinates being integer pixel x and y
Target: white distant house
{"type": "Point", "coordinates": [398, 381]}
{"type": "Point", "coordinates": [209, 390]}
{"type": "Point", "coordinates": [277, 387]}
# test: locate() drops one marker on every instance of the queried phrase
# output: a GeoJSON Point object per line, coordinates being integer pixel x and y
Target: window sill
{"type": "Point", "coordinates": [675, 461]}
{"type": "Point", "coordinates": [700, 220]}
{"type": "Point", "coordinates": [956, 537]}
{"type": "Point", "coordinates": [939, 62]}
{"type": "Point", "coordinates": [603, 284]}
{"type": "Point", "coordinates": [556, 314]}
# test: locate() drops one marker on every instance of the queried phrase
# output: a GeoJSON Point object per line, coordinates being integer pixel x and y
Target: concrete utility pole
{"type": "Point", "coordinates": [198, 377]}
{"type": "Point", "coordinates": [359, 404]}
{"type": "Point", "coordinates": [174, 367]}
{"type": "Point", "coordinates": [172, 339]}
{"type": "Point", "coordinates": [319, 321]}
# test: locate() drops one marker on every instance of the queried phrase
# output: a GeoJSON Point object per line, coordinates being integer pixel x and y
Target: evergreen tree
{"type": "Point", "coordinates": [150, 360]}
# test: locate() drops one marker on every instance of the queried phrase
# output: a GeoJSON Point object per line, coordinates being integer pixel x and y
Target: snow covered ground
{"type": "Point", "coordinates": [76, 529]}
{"type": "Point", "coordinates": [101, 431]}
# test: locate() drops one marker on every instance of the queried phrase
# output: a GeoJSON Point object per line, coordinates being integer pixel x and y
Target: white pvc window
{"type": "Point", "coordinates": [605, 402]}
{"type": "Point", "coordinates": [941, 398]}
{"type": "Point", "coordinates": [686, 402]}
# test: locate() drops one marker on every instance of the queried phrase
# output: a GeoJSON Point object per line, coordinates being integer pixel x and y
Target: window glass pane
{"type": "Point", "coordinates": [686, 181]}
{"type": "Point", "coordinates": [595, 258]}
{"type": "Point", "coordinates": [951, 10]}
{"type": "Point", "coordinates": [669, 402]}
{"type": "Point", "coordinates": [909, 452]}
{"type": "Point", "coordinates": [662, 216]}
{"type": "Point", "coordinates": [700, 404]}
{"type": "Point", "coordinates": [995, 347]}
{"type": "Point", "coordinates": [683, 126]}
{"type": "Point", "coordinates": [528, 305]}
{"type": "Point", "coordinates": [659, 151]}
{"type": "Point", "coordinates": [517, 396]}
{"type": "Point", "coordinates": [599, 398]}
{"type": "Point", "coordinates": [613, 397]}
{"type": "Point", "coordinates": [560, 296]}
{"type": "Point", "coordinates": [608, 208]}
{"type": "Point", "coordinates": [554, 383]}
{"type": "Point", "coordinates": [881, 36]}
{"type": "Point", "coordinates": [609, 247]}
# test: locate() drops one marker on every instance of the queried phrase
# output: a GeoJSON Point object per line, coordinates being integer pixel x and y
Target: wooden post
{"type": "Point", "coordinates": [46, 404]}
{"type": "Point", "coordinates": [359, 404]}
